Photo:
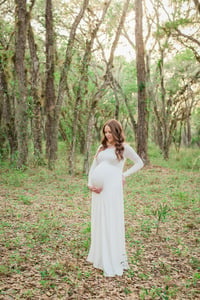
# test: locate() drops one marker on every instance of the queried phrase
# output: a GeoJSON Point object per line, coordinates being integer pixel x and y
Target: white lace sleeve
{"type": "Point", "coordinates": [133, 156]}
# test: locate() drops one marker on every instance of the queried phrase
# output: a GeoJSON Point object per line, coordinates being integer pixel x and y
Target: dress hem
{"type": "Point", "coordinates": [106, 274]}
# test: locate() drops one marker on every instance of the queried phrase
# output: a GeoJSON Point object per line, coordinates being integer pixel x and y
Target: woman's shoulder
{"type": "Point", "coordinates": [127, 146]}
{"type": "Point", "coordinates": [99, 149]}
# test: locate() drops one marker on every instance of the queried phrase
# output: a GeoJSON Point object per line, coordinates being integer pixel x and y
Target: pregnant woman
{"type": "Point", "coordinates": [106, 180]}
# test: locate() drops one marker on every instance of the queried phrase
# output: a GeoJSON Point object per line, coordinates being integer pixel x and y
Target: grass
{"type": "Point", "coordinates": [45, 233]}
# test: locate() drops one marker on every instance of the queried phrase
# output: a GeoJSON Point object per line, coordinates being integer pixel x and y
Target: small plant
{"type": "Point", "coordinates": [137, 256]}
{"type": "Point", "coordinates": [161, 213]}
{"type": "Point", "coordinates": [57, 269]}
{"type": "Point", "coordinates": [196, 278]}
{"type": "Point", "coordinates": [143, 276]}
{"type": "Point", "coordinates": [146, 227]}
{"type": "Point", "coordinates": [4, 269]}
{"type": "Point", "coordinates": [195, 263]}
{"type": "Point", "coordinates": [159, 293]}
{"type": "Point", "coordinates": [143, 293]}
{"type": "Point", "coordinates": [46, 225]}
{"type": "Point", "coordinates": [28, 294]}
{"type": "Point", "coordinates": [127, 291]}
{"type": "Point", "coordinates": [24, 199]}
{"type": "Point", "coordinates": [88, 274]}
{"type": "Point", "coordinates": [131, 273]}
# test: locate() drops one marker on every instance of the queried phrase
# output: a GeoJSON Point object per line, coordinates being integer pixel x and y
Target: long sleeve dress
{"type": "Point", "coordinates": [107, 250]}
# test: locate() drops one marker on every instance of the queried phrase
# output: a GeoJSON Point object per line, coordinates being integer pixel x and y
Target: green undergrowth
{"type": "Point", "coordinates": [185, 159]}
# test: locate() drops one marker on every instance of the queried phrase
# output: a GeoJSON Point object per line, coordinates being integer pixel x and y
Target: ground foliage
{"type": "Point", "coordinates": [45, 236]}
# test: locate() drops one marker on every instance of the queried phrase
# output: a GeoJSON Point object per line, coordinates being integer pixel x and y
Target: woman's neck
{"type": "Point", "coordinates": [110, 145]}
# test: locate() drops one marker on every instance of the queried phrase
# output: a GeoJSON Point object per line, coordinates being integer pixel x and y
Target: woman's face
{"type": "Point", "coordinates": [108, 135]}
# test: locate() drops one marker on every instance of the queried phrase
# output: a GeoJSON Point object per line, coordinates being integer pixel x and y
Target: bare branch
{"type": "Point", "coordinates": [118, 32]}
{"type": "Point", "coordinates": [197, 4]}
{"type": "Point", "coordinates": [68, 55]}
{"type": "Point", "coordinates": [3, 2]}
{"type": "Point", "coordinates": [188, 37]}
{"type": "Point", "coordinates": [125, 33]}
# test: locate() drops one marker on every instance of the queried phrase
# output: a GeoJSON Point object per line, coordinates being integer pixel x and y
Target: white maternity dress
{"type": "Point", "coordinates": [107, 249]}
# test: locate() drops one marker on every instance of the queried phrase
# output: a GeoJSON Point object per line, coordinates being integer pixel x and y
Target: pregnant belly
{"type": "Point", "coordinates": [104, 174]}
{"type": "Point", "coordinates": [98, 177]}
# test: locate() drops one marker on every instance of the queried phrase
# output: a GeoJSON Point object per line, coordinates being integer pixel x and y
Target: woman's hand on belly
{"type": "Point", "coordinates": [95, 189]}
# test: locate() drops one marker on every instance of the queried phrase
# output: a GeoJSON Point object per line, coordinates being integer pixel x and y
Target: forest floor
{"type": "Point", "coordinates": [45, 236]}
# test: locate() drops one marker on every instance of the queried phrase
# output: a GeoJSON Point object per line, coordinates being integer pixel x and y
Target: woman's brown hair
{"type": "Point", "coordinates": [118, 135]}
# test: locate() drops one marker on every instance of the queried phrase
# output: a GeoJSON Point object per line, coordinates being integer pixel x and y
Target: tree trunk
{"type": "Point", "coordinates": [7, 114]}
{"type": "Point", "coordinates": [165, 116]}
{"type": "Point", "coordinates": [2, 93]}
{"type": "Point", "coordinates": [37, 131]}
{"type": "Point", "coordinates": [21, 95]}
{"type": "Point", "coordinates": [116, 105]}
{"type": "Point", "coordinates": [50, 98]}
{"type": "Point", "coordinates": [142, 125]}
{"type": "Point", "coordinates": [88, 142]}
{"type": "Point", "coordinates": [53, 108]}
{"type": "Point", "coordinates": [177, 137]}
{"type": "Point", "coordinates": [189, 135]}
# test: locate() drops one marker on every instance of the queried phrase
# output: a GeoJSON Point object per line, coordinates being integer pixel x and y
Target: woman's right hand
{"type": "Point", "coordinates": [94, 189]}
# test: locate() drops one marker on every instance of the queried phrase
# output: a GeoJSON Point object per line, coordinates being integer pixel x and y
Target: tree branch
{"type": "Point", "coordinates": [188, 37]}
{"type": "Point", "coordinates": [3, 2]}
{"type": "Point", "coordinates": [197, 4]}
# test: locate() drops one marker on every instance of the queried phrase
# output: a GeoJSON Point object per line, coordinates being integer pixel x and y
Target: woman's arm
{"type": "Point", "coordinates": [134, 157]}
{"type": "Point", "coordinates": [92, 168]}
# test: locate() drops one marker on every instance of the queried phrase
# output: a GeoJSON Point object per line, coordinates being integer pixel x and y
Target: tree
{"type": "Point", "coordinates": [50, 97]}
{"type": "Point", "coordinates": [53, 106]}
{"type": "Point", "coordinates": [21, 88]}
{"type": "Point", "coordinates": [35, 79]}
{"type": "Point", "coordinates": [170, 88]}
{"type": "Point", "coordinates": [142, 124]}
{"type": "Point", "coordinates": [7, 116]}
{"type": "Point", "coordinates": [85, 82]}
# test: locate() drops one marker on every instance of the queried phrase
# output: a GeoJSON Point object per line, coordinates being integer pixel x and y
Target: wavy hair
{"type": "Point", "coordinates": [118, 136]}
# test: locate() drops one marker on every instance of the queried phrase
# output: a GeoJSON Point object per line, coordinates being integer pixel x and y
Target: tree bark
{"type": "Point", "coordinates": [37, 131]}
{"type": "Point", "coordinates": [21, 96]}
{"type": "Point", "coordinates": [7, 115]}
{"type": "Point", "coordinates": [3, 93]}
{"type": "Point", "coordinates": [50, 98]}
{"type": "Point", "coordinates": [142, 124]}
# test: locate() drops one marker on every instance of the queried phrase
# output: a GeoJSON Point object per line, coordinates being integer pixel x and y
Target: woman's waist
{"type": "Point", "coordinates": [108, 165]}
